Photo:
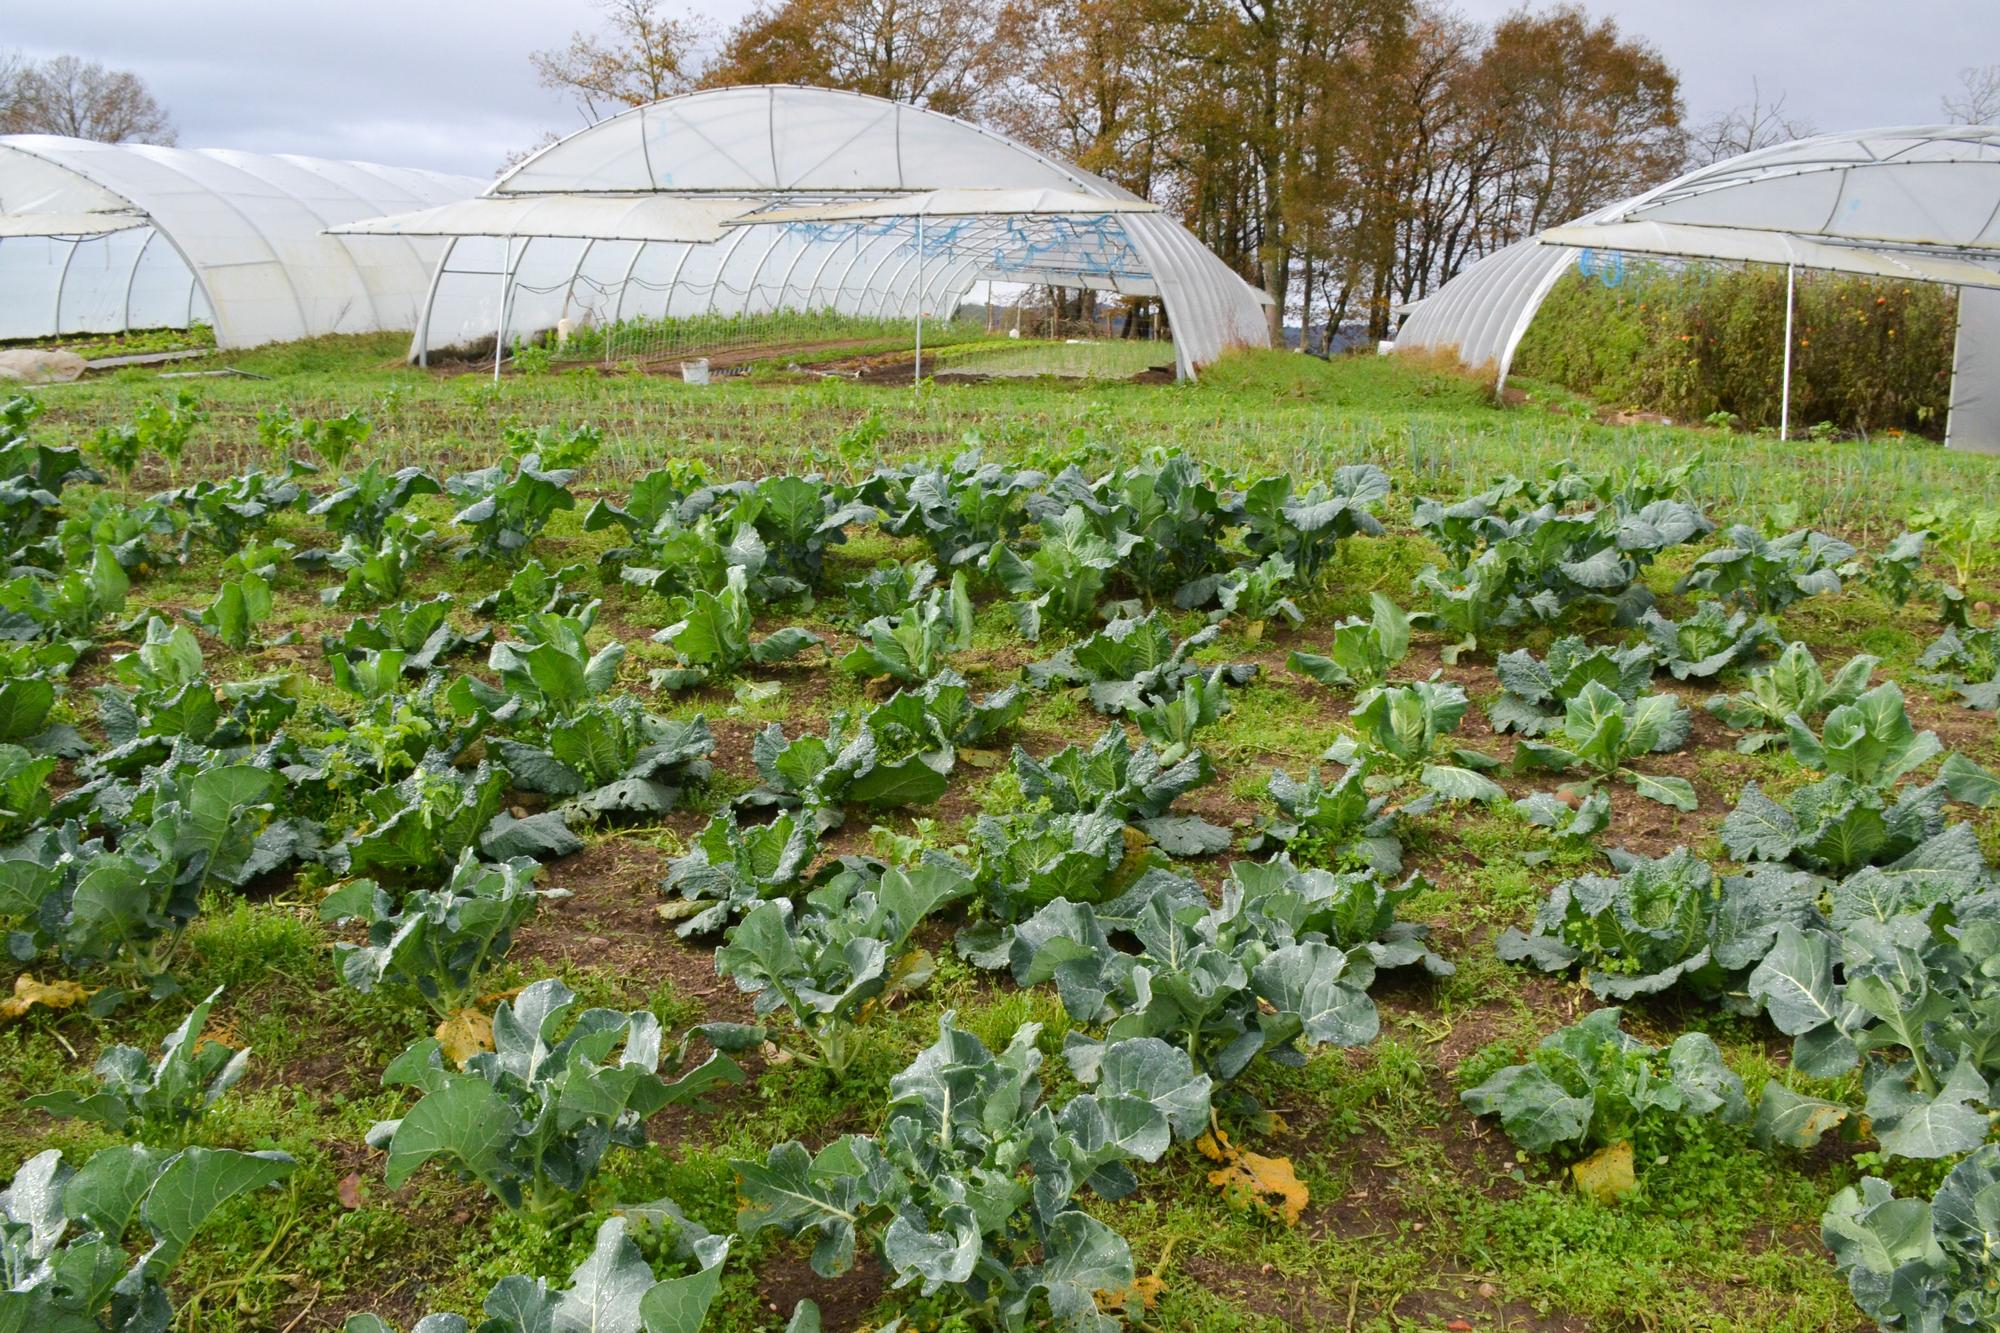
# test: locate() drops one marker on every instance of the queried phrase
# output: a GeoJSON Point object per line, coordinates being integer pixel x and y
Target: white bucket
{"type": "Point", "coordinates": [695, 371]}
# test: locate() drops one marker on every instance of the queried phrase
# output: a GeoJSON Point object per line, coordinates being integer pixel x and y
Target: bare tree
{"type": "Point", "coordinates": [1977, 101]}
{"type": "Point", "coordinates": [644, 54]}
{"type": "Point", "coordinates": [1745, 129]}
{"type": "Point", "coordinates": [80, 98]}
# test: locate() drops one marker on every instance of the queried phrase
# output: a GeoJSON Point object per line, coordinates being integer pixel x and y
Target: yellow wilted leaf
{"type": "Point", "coordinates": [1254, 631]}
{"type": "Point", "coordinates": [1248, 1179]}
{"type": "Point", "coordinates": [1606, 1175]}
{"type": "Point", "coordinates": [465, 1034]}
{"type": "Point", "coordinates": [29, 992]}
{"type": "Point", "coordinates": [1144, 1291]}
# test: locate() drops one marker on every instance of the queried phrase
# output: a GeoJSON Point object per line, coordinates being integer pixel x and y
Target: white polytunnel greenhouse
{"type": "Point", "coordinates": [654, 215]}
{"type": "Point", "coordinates": [1919, 203]}
{"type": "Point", "coordinates": [104, 238]}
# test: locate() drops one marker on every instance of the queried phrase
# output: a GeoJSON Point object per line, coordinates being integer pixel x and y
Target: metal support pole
{"type": "Point", "coordinates": [1785, 410]}
{"type": "Point", "coordinates": [918, 376]}
{"type": "Point", "coordinates": [500, 317]}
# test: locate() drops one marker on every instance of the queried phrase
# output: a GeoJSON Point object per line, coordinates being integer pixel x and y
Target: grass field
{"type": "Point", "coordinates": [1422, 1216]}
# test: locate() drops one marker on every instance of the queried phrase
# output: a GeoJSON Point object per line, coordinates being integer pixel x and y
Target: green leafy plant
{"type": "Point", "coordinates": [1172, 722]}
{"type": "Point", "coordinates": [63, 1229]}
{"type": "Point", "coordinates": [1059, 583]}
{"type": "Point", "coordinates": [1224, 984]}
{"type": "Point", "coordinates": [532, 1118]}
{"type": "Point", "coordinates": [917, 643]}
{"type": "Point", "coordinates": [1769, 576]}
{"type": "Point", "coordinates": [1967, 662]}
{"type": "Point", "coordinates": [1792, 686]}
{"type": "Point", "coordinates": [732, 867]}
{"type": "Point", "coordinates": [1965, 532]}
{"type": "Point", "coordinates": [1403, 730]}
{"type": "Point", "coordinates": [1335, 826]}
{"type": "Point", "coordinates": [375, 572]}
{"type": "Point", "coordinates": [435, 946]}
{"type": "Point", "coordinates": [842, 953]}
{"type": "Point", "coordinates": [362, 505]}
{"type": "Point", "coordinates": [1135, 788]}
{"type": "Point", "coordinates": [162, 1102]}
{"type": "Point", "coordinates": [1134, 662]}
{"type": "Point", "coordinates": [1307, 528]}
{"type": "Point", "coordinates": [1907, 998]}
{"type": "Point", "coordinates": [1710, 641]}
{"type": "Point", "coordinates": [1363, 652]}
{"type": "Point", "coordinates": [553, 445]}
{"type": "Point", "coordinates": [713, 640]}
{"type": "Point", "coordinates": [1535, 694]}
{"type": "Point", "coordinates": [939, 1194]}
{"type": "Point", "coordinates": [1662, 923]}
{"type": "Point", "coordinates": [614, 759]}
{"type": "Point", "coordinates": [421, 631]}
{"type": "Point", "coordinates": [1604, 733]}
{"type": "Point", "coordinates": [614, 1288]}
{"type": "Point", "coordinates": [507, 512]}
{"type": "Point", "coordinates": [241, 604]}
{"type": "Point", "coordinates": [1917, 1264]}
{"type": "Point", "coordinates": [552, 668]}
{"type": "Point", "coordinates": [1592, 1088]}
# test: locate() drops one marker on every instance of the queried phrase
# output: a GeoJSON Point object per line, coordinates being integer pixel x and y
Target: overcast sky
{"type": "Point", "coordinates": [446, 83]}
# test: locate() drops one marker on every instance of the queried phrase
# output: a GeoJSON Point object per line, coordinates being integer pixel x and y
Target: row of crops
{"type": "Point", "coordinates": [1856, 914]}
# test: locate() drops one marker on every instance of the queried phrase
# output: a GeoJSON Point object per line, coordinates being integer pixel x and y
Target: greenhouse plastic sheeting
{"type": "Point", "coordinates": [1921, 203]}
{"type": "Point", "coordinates": [805, 147]}
{"type": "Point", "coordinates": [226, 238]}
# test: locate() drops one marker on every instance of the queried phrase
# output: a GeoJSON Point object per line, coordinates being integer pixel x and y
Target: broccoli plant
{"type": "Point", "coordinates": [505, 513]}
{"type": "Point", "coordinates": [917, 643]}
{"type": "Point", "coordinates": [1906, 996]}
{"type": "Point", "coordinates": [229, 513]}
{"type": "Point", "coordinates": [332, 438]}
{"type": "Point", "coordinates": [1604, 734]}
{"type": "Point", "coordinates": [1965, 532]}
{"type": "Point", "coordinates": [1769, 576]}
{"type": "Point", "coordinates": [1591, 1088]}
{"type": "Point", "coordinates": [1661, 923]}
{"type": "Point", "coordinates": [732, 867]}
{"type": "Point", "coordinates": [362, 505]}
{"type": "Point", "coordinates": [1256, 976]}
{"type": "Point", "coordinates": [1572, 818]}
{"type": "Point", "coordinates": [712, 638]}
{"type": "Point", "coordinates": [1254, 595]}
{"type": "Point", "coordinates": [963, 511]}
{"type": "Point", "coordinates": [241, 604]}
{"type": "Point", "coordinates": [1337, 826]}
{"type": "Point", "coordinates": [62, 1231]}
{"type": "Point", "coordinates": [1060, 582]}
{"type": "Point", "coordinates": [435, 946]}
{"type": "Point", "coordinates": [613, 1288]}
{"type": "Point", "coordinates": [535, 588]}
{"type": "Point", "coordinates": [1137, 789]}
{"type": "Point", "coordinates": [1363, 652]}
{"type": "Point", "coordinates": [1917, 1264]}
{"type": "Point", "coordinates": [832, 960]}
{"type": "Point", "coordinates": [161, 1103]}
{"type": "Point", "coordinates": [1535, 695]}
{"type": "Point", "coordinates": [532, 1118]}
{"type": "Point", "coordinates": [1307, 528]}
{"type": "Point", "coordinates": [613, 759]}
{"type": "Point", "coordinates": [374, 572]}
{"type": "Point", "coordinates": [1710, 641]}
{"type": "Point", "coordinates": [421, 631]}
{"type": "Point", "coordinates": [1133, 662]}
{"type": "Point", "coordinates": [940, 1193]}
{"type": "Point", "coordinates": [1967, 662]}
{"type": "Point", "coordinates": [552, 668]}
{"type": "Point", "coordinates": [1466, 602]}
{"type": "Point", "coordinates": [1173, 721]}
{"type": "Point", "coordinates": [1403, 731]}
{"type": "Point", "coordinates": [1792, 686]}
